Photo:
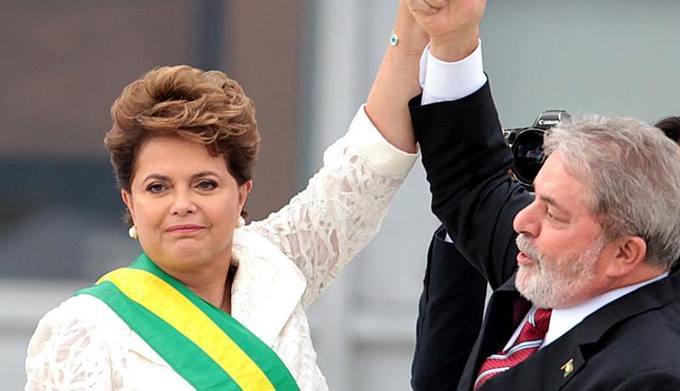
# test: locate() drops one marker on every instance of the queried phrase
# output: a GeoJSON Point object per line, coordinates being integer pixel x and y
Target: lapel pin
{"type": "Point", "coordinates": [568, 367]}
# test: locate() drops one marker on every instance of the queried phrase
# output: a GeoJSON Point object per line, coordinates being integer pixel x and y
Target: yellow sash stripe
{"type": "Point", "coordinates": [170, 305]}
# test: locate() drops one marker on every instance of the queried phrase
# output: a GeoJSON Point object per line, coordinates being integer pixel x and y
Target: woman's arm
{"type": "Point", "coordinates": [67, 352]}
{"type": "Point", "coordinates": [340, 211]}
{"type": "Point", "coordinates": [397, 81]}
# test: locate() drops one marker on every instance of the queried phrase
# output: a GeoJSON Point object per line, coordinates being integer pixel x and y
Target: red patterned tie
{"type": "Point", "coordinates": [528, 341]}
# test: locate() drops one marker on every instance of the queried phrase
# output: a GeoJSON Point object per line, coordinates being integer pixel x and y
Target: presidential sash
{"type": "Point", "coordinates": [204, 345]}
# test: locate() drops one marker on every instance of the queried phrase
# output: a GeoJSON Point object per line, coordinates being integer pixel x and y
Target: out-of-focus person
{"type": "Point", "coordinates": [671, 127]}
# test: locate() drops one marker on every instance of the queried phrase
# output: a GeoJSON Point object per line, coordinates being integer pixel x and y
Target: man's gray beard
{"type": "Point", "coordinates": [548, 287]}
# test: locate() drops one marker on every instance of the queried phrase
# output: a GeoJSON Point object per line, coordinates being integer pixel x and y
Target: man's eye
{"type": "Point", "coordinates": [206, 185]}
{"type": "Point", "coordinates": [558, 219]}
{"type": "Point", "coordinates": [156, 188]}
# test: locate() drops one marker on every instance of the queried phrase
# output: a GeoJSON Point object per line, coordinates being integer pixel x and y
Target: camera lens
{"type": "Point", "coordinates": [528, 153]}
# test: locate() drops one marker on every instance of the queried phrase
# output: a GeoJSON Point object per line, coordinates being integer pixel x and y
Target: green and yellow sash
{"type": "Point", "coordinates": [203, 344]}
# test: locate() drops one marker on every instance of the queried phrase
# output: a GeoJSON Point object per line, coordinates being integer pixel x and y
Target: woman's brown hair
{"type": "Point", "coordinates": [206, 107]}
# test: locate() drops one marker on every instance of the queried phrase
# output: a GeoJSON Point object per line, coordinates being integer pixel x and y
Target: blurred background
{"type": "Point", "coordinates": [308, 66]}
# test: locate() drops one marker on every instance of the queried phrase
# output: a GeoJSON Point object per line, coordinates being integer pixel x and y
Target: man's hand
{"type": "Point", "coordinates": [453, 25]}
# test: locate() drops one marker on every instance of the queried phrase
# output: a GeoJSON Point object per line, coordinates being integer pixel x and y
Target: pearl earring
{"type": "Point", "coordinates": [132, 232]}
{"type": "Point", "coordinates": [240, 222]}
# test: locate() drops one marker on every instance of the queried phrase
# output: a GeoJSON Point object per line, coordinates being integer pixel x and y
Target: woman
{"type": "Point", "coordinates": [213, 304]}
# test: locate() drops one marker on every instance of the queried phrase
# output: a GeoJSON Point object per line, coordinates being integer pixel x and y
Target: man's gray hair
{"type": "Point", "coordinates": [633, 172]}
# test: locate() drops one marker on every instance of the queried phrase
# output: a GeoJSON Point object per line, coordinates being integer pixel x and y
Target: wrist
{"type": "Point", "coordinates": [412, 39]}
{"type": "Point", "coordinates": [454, 47]}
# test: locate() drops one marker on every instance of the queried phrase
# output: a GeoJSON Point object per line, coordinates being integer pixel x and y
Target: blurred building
{"type": "Point", "coordinates": [308, 65]}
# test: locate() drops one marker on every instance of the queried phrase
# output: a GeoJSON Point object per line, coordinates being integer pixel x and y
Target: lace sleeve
{"type": "Point", "coordinates": [340, 211]}
{"type": "Point", "coordinates": [67, 353]}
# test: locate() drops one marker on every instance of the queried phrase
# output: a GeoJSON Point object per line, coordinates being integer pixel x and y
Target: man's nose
{"type": "Point", "coordinates": [527, 222]}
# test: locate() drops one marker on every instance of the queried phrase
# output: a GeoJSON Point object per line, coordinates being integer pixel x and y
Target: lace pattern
{"type": "Point", "coordinates": [83, 345]}
{"type": "Point", "coordinates": [68, 352]}
{"type": "Point", "coordinates": [329, 222]}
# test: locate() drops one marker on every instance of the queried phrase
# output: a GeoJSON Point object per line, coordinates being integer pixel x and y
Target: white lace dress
{"type": "Point", "coordinates": [284, 262]}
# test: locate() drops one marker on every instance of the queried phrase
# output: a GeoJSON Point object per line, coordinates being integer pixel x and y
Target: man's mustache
{"type": "Point", "coordinates": [525, 245]}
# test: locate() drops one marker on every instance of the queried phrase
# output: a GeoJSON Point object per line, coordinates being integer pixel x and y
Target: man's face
{"type": "Point", "coordinates": [560, 242]}
{"type": "Point", "coordinates": [549, 283]}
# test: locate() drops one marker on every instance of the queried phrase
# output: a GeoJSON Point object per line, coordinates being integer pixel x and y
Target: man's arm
{"type": "Point", "coordinates": [464, 152]}
{"type": "Point", "coordinates": [467, 161]}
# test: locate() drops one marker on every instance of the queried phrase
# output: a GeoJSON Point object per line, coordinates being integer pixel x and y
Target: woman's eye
{"type": "Point", "coordinates": [206, 185]}
{"type": "Point", "coordinates": [155, 188]}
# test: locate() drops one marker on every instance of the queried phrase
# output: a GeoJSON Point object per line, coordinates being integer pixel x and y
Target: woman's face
{"type": "Point", "coordinates": [184, 204]}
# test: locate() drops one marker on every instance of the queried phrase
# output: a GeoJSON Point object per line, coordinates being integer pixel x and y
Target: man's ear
{"type": "Point", "coordinates": [126, 196]}
{"type": "Point", "coordinates": [631, 251]}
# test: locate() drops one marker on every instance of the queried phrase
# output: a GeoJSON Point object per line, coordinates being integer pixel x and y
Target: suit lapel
{"type": "Point", "coordinates": [649, 297]}
{"type": "Point", "coordinates": [497, 328]}
{"type": "Point", "coordinates": [552, 367]}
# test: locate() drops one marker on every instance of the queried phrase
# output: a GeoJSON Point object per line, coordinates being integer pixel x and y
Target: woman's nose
{"type": "Point", "coordinates": [183, 203]}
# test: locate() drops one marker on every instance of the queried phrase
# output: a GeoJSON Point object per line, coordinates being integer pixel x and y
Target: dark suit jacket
{"type": "Point", "coordinates": [632, 343]}
{"type": "Point", "coordinates": [449, 314]}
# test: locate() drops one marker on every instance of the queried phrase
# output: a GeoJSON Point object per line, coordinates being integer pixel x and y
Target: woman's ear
{"type": "Point", "coordinates": [126, 196]}
{"type": "Point", "coordinates": [243, 192]}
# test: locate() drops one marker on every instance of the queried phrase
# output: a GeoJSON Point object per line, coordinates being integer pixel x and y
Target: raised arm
{"type": "Point", "coordinates": [463, 150]}
{"type": "Point", "coordinates": [340, 211]}
{"type": "Point", "coordinates": [397, 81]}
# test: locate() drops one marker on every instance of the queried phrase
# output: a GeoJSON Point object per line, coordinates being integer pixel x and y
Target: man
{"type": "Point", "coordinates": [597, 243]}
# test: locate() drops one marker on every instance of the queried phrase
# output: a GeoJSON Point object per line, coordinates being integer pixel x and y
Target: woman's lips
{"type": "Point", "coordinates": [184, 228]}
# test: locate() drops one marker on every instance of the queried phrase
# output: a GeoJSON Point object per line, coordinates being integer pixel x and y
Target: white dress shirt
{"type": "Point", "coordinates": [446, 81]}
{"type": "Point", "coordinates": [564, 319]}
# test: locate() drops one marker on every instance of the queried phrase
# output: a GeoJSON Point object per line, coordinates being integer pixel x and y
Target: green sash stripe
{"type": "Point", "coordinates": [265, 358]}
{"type": "Point", "coordinates": [187, 359]}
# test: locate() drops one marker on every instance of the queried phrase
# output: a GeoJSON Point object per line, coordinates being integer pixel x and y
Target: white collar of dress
{"type": "Point", "coordinates": [267, 286]}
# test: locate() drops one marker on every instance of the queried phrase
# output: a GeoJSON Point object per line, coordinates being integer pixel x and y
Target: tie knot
{"type": "Point", "coordinates": [528, 341]}
{"type": "Point", "coordinates": [540, 320]}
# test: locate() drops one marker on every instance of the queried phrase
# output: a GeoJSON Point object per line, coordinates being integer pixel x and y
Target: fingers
{"type": "Point", "coordinates": [422, 7]}
{"type": "Point", "coordinates": [437, 4]}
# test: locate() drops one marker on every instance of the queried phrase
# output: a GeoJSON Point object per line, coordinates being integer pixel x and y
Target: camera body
{"type": "Point", "coordinates": [527, 145]}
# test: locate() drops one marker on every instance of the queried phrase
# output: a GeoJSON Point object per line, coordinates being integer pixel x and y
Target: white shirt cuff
{"type": "Point", "coordinates": [379, 153]}
{"type": "Point", "coordinates": [445, 81]}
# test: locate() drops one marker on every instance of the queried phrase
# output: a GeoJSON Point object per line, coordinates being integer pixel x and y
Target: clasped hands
{"type": "Point", "coordinates": [453, 25]}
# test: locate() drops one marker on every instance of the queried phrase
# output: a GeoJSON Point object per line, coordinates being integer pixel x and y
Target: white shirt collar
{"type": "Point", "coordinates": [564, 319]}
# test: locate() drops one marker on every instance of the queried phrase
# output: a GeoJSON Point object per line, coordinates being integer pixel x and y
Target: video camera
{"type": "Point", "coordinates": [527, 145]}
